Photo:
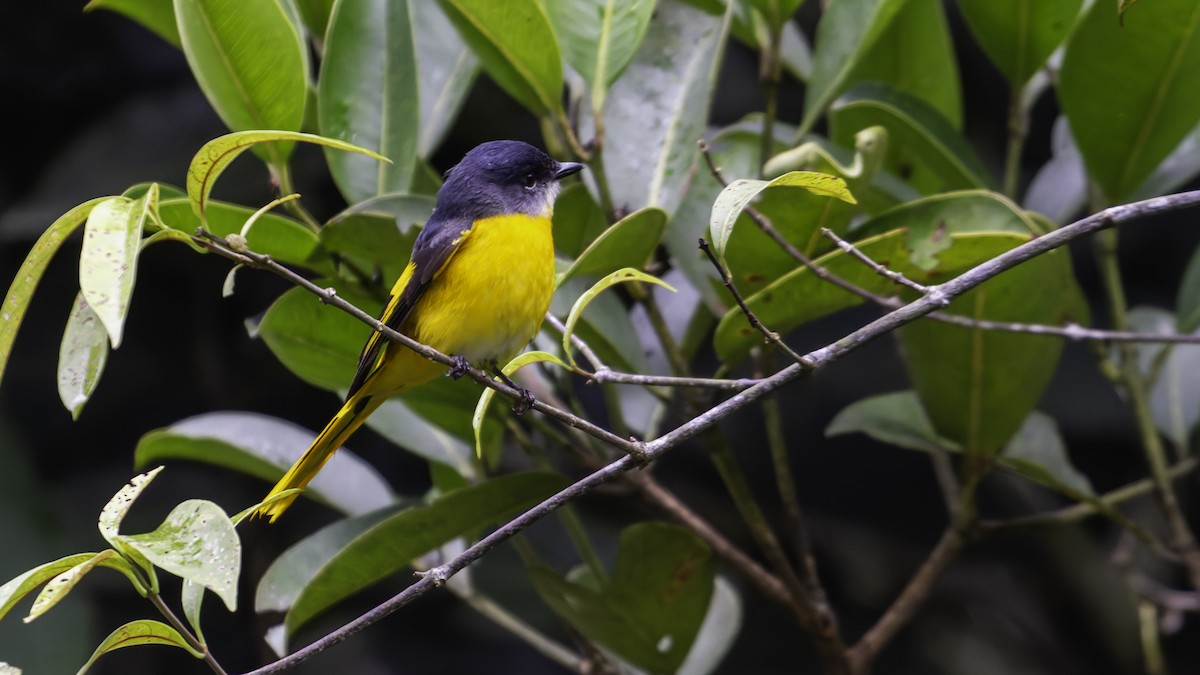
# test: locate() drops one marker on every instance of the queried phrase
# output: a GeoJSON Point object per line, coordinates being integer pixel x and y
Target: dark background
{"type": "Point", "coordinates": [93, 103]}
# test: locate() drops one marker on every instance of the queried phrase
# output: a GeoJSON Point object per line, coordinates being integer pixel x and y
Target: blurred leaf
{"type": "Point", "coordinates": [925, 150]}
{"type": "Point", "coordinates": [1059, 189]}
{"type": "Point", "coordinates": [485, 398]}
{"type": "Point", "coordinates": [1122, 7]}
{"type": "Point", "coordinates": [1170, 371]}
{"type": "Point", "coordinates": [156, 15]}
{"type": "Point", "coordinates": [620, 276]}
{"type": "Point", "coordinates": [651, 609]}
{"type": "Point", "coordinates": [717, 633]}
{"type": "Point", "coordinates": [315, 14]}
{"type": "Point", "coordinates": [1187, 306]}
{"type": "Point", "coordinates": [140, 632]}
{"type": "Point", "coordinates": [1036, 451]}
{"type": "Point", "coordinates": [446, 69]}
{"type": "Point", "coordinates": [777, 12]}
{"type": "Point", "coordinates": [628, 243]}
{"type": "Point", "coordinates": [516, 47]}
{"type": "Point", "coordinates": [6, 669]}
{"type": "Point", "coordinates": [285, 240]}
{"type": "Point", "coordinates": [367, 94]}
{"type": "Point", "coordinates": [1178, 169]}
{"type": "Point", "coordinates": [800, 296]}
{"type": "Point", "coordinates": [21, 585]}
{"type": "Point", "coordinates": [600, 37]}
{"type": "Point", "coordinates": [350, 555]}
{"type": "Point", "coordinates": [847, 31]}
{"type": "Point", "coordinates": [738, 194]}
{"type": "Point", "coordinates": [258, 83]}
{"type": "Point", "coordinates": [81, 356]}
{"type": "Point", "coordinates": [1019, 36]}
{"type": "Point", "coordinates": [264, 446]}
{"type": "Point", "coordinates": [578, 220]}
{"type": "Point", "coordinates": [108, 261]}
{"type": "Point", "coordinates": [57, 588]}
{"type": "Point", "coordinates": [197, 542]}
{"type": "Point", "coordinates": [657, 110]}
{"type": "Point", "coordinates": [215, 156]}
{"type": "Point", "coordinates": [396, 421]}
{"type": "Point", "coordinates": [1125, 131]}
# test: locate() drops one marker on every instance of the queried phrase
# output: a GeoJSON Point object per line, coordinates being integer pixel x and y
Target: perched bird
{"type": "Point", "coordinates": [477, 286]}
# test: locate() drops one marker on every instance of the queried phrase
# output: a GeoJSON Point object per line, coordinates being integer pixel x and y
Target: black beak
{"type": "Point", "coordinates": [566, 169]}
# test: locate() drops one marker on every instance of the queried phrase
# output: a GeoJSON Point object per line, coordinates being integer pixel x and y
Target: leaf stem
{"type": "Point", "coordinates": [282, 173]}
{"type": "Point", "coordinates": [193, 642]}
{"type": "Point", "coordinates": [772, 72]}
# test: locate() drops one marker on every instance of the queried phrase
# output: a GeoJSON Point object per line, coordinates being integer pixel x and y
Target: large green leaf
{"type": "Point", "coordinates": [600, 37]}
{"type": "Point", "coordinates": [156, 15]}
{"type": "Point", "coordinates": [657, 110]}
{"type": "Point", "coordinates": [516, 47]}
{"type": "Point", "coordinates": [1019, 35]}
{"type": "Point", "coordinates": [367, 95]}
{"type": "Point", "coordinates": [140, 632]}
{"type": "Point", "coordinates": [379, 231]}
{"type": "Point", "coordinates": [606, 326]}
{"type": "Point", "coordinates": [108, 261]}
{"type": "Point", "coordinates": [284, 239]}
{"type": "Point", "coordinates": [81, 356]}
{"type": "Point", "coordinates": [846, 33]}
{"type": "Point", "coordinates": [628, 243]}
{"type": "Point", "coordinates": [649, 612]}
{"type": "Point", "coordinates": [924, 147]}
{"type": "Point", "coordinates": [1132, 92]}
{"type": "Point", "coordinates": [249, 60]}
{"type": "Point", "coordinates": [350, 555]}
{"type": "Point", "coordinates": [578, 220]}
{"type": "Point", "coordinates": [316, 342]}
{"type": "Point", "coordinates": [446, 70]}
{"type": "Point", "coordinates": [315, 14]}
{"type": "Point", "coordinates": [23, 584]}
{"type": "Point", "coordinates": [265, 446]}
{"type": "Point", "coordinates": [738, 194]}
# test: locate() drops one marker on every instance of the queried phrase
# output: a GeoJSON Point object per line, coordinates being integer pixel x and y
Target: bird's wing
{"type": "Point", "coordinates": [434, 247]}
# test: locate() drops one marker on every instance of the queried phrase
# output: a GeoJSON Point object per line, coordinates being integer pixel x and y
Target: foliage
{"type": "Point", "coordinates": [625, 86]}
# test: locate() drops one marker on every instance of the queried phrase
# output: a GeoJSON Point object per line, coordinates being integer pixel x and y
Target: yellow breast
{"type": "Point", "coordinates": [489, 300]}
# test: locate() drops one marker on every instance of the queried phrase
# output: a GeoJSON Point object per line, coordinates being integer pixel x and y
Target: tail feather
{"type": "Point", "coordinates": [353, 413]}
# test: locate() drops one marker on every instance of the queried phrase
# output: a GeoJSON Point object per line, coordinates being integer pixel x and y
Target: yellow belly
{"type": "Point", "coordinates": [489, 300]}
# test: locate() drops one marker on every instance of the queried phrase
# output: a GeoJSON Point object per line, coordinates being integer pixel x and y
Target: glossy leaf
{"type": "Point", "coordinates": [317, 343]}
{"type": "Point", "coordinates": [140, 632]}
{"type": "Point", "coordinates": [924, 148]}
{"type": "Point", "coordinates": [379, 231]}
{"type": "Point", "coordinates": [599, 37]}
{"type": "Point", "coordinates": [488, 394]}
{"type": "Point", "coordinates": [847, 31]}
{"type": "Point", "coordinates": [398, 422]}
{"type": "Point", "coordinates": [18, 587]}
{"type": "Point", "coordinates": [156, 15]}
{"type": "Point", "coordinates": [658, 108]}
{"type": "Point", "coordinates": [1019, 36]}
{"type": "Point", "coordinates": [578, 220]}
{"type": "Point", "coordinates": [606, 327]}
{"type": "Point", "coordinates": [114, 512]}
{"type": "Point", "coordinates": [284, 239]}
{"type": "Point", "coordinates": [1036, 451]}
{"type": "Point", "coordinates": [265, 446]}
{"type": "Point", "coordinates": [191, 599]}
{"type": "Point", "coordinates": [108, 261]}
{"type": "Point", "coordinates": [258, 83]}
{"type": "Point", "coordinates": [620, 276]}
{"type": "Point", "coordinates": [315, 14]}
{"type": "Point", "coordinates": [197, 542]}
{"type": "Point", "coordinates": [57, 588]}
{"type": "Point", "coordinates": [649, 612]}
{"type": "Point", "coordinates": [516, 47]}
{"type": "Point", "coordinates": [1170, 371]}
{"type": "Point", "coordinates": [367, 95]}
{"type": "Point", "coordinates": [738, 194]}
{"type": "Point", "coordinates": [1125, 131]}
{"type": "Point", "coordinates": [348, 556]}
{"type": "Point", "coordinates": [81, 356]}
{"type": "Point", "coordinates": [628, 243]}
{"type": "Point", "coordinates": [215, 156]}
{"type": "Point", "coordinates": [446, 69]}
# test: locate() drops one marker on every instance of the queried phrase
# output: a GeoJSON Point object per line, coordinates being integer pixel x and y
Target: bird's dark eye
{"type": "Point", "coordinates": [530, 181]}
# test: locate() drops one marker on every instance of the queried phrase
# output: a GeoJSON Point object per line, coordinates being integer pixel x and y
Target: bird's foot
{"type": "Point", "coordinates": [459, 368]}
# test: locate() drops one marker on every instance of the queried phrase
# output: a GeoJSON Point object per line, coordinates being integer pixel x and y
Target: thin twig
{"type": "Point", "coordinates": [881, 270]}
{"type": "Point", "coordinates": [194, 642]}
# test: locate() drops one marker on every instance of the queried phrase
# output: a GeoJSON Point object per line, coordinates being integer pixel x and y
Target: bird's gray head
{"type": "Point", "coordinates": [502, 178]}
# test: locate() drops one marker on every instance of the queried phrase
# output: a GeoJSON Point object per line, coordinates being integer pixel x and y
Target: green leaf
{"type": "Point", "coordinates": [1174, 172]}
{"type": "Point", "coordinates": [140, 632]}
{"type": "Point", "coordinates": [20, 586]}
{"type": "Point", "coordinates": [578, 220]}
{"type": "Point", "coordinates": [1036, 451]}
{"type": "Point", "coordinates": [379, 231]}
{"type": "Point", "coordinates": [620, 276]}
{"type": "Point", "coordinates": [925, 149]}
{"type": "Point", "coordinates": [114, 511]}
{"type": "Point", "coordinates": [81, 356]}
{"type": "Point", "coordinates": [1170, 371]}
{"type": "Point", "coordinates": [1019, 36]}
{"type": "Point", "coordinates": [367, 94]}
{"type": "Point", "coordinates": [651, 609]}
{"type": "Point", "coordinates": [509, 368]}
{"type": "Point", "coordinates": [718, 632]}
{"type": "Point", "coordinates": [658, 109]}
{"type": "Point", "coordinates": [1122, 7]}
{"type": "Point", "coordinates": [265, 446]}
{"type": "Point", "coordinates": [1125, 131]}
{"type": "Point", "coordinates": [315, 14]}
{"type": "Point", "coordinates": [446, 70]}
{"type": "Point", "coordinates": [628, 243]}
{"type": "Point", "coordinates": [258, 83]}
{"type": "Point", "coordinates": [600, 37]}
{"type": "Point", "coordinates": [350, 555]}
{"type": "Point", "coordinates": [197, 542]}
{"type": "Point", "coordinates": [319, 344]}
{"type": "Point", "coordinates": [57, 588]}
{"type": "Point", "coordinates": [847, 31]}
{"type": "Point", "coordinates": [398, 422]}
{"type": "Point", "coordinates": [516, 47]}
{"type": "Point", "coordinates": [284, 239]}
{"type": "Point", "coordinates": [108, 261]}
{"type": "Point", "coordinates": [156, 15]}
{"type": "Point", "coordinates": [215, 156]}
{"type": "Point", "coordinates": [1187, 306]}
{"type": "Point", "coordinates": [738, 194]}
{"type": "Point", "coordinates": [607, 326]}
{"type": "Point", "coordinates": [191, 599]}
{"type": "Point", "coordinates": [776, 12]}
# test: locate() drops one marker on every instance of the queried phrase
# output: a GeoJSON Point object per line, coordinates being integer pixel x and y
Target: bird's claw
{"type": "Point", "coordinates": [459, 368]}
{"type": "Point", "coordinates": [524, 403]}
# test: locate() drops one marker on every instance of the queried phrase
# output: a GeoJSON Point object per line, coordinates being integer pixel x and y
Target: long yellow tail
{"type": "Point", "coordinates": [353, 413]}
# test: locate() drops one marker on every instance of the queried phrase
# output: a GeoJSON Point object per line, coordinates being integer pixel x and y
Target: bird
{"type": "Point", "coordinates": [476, 287]}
